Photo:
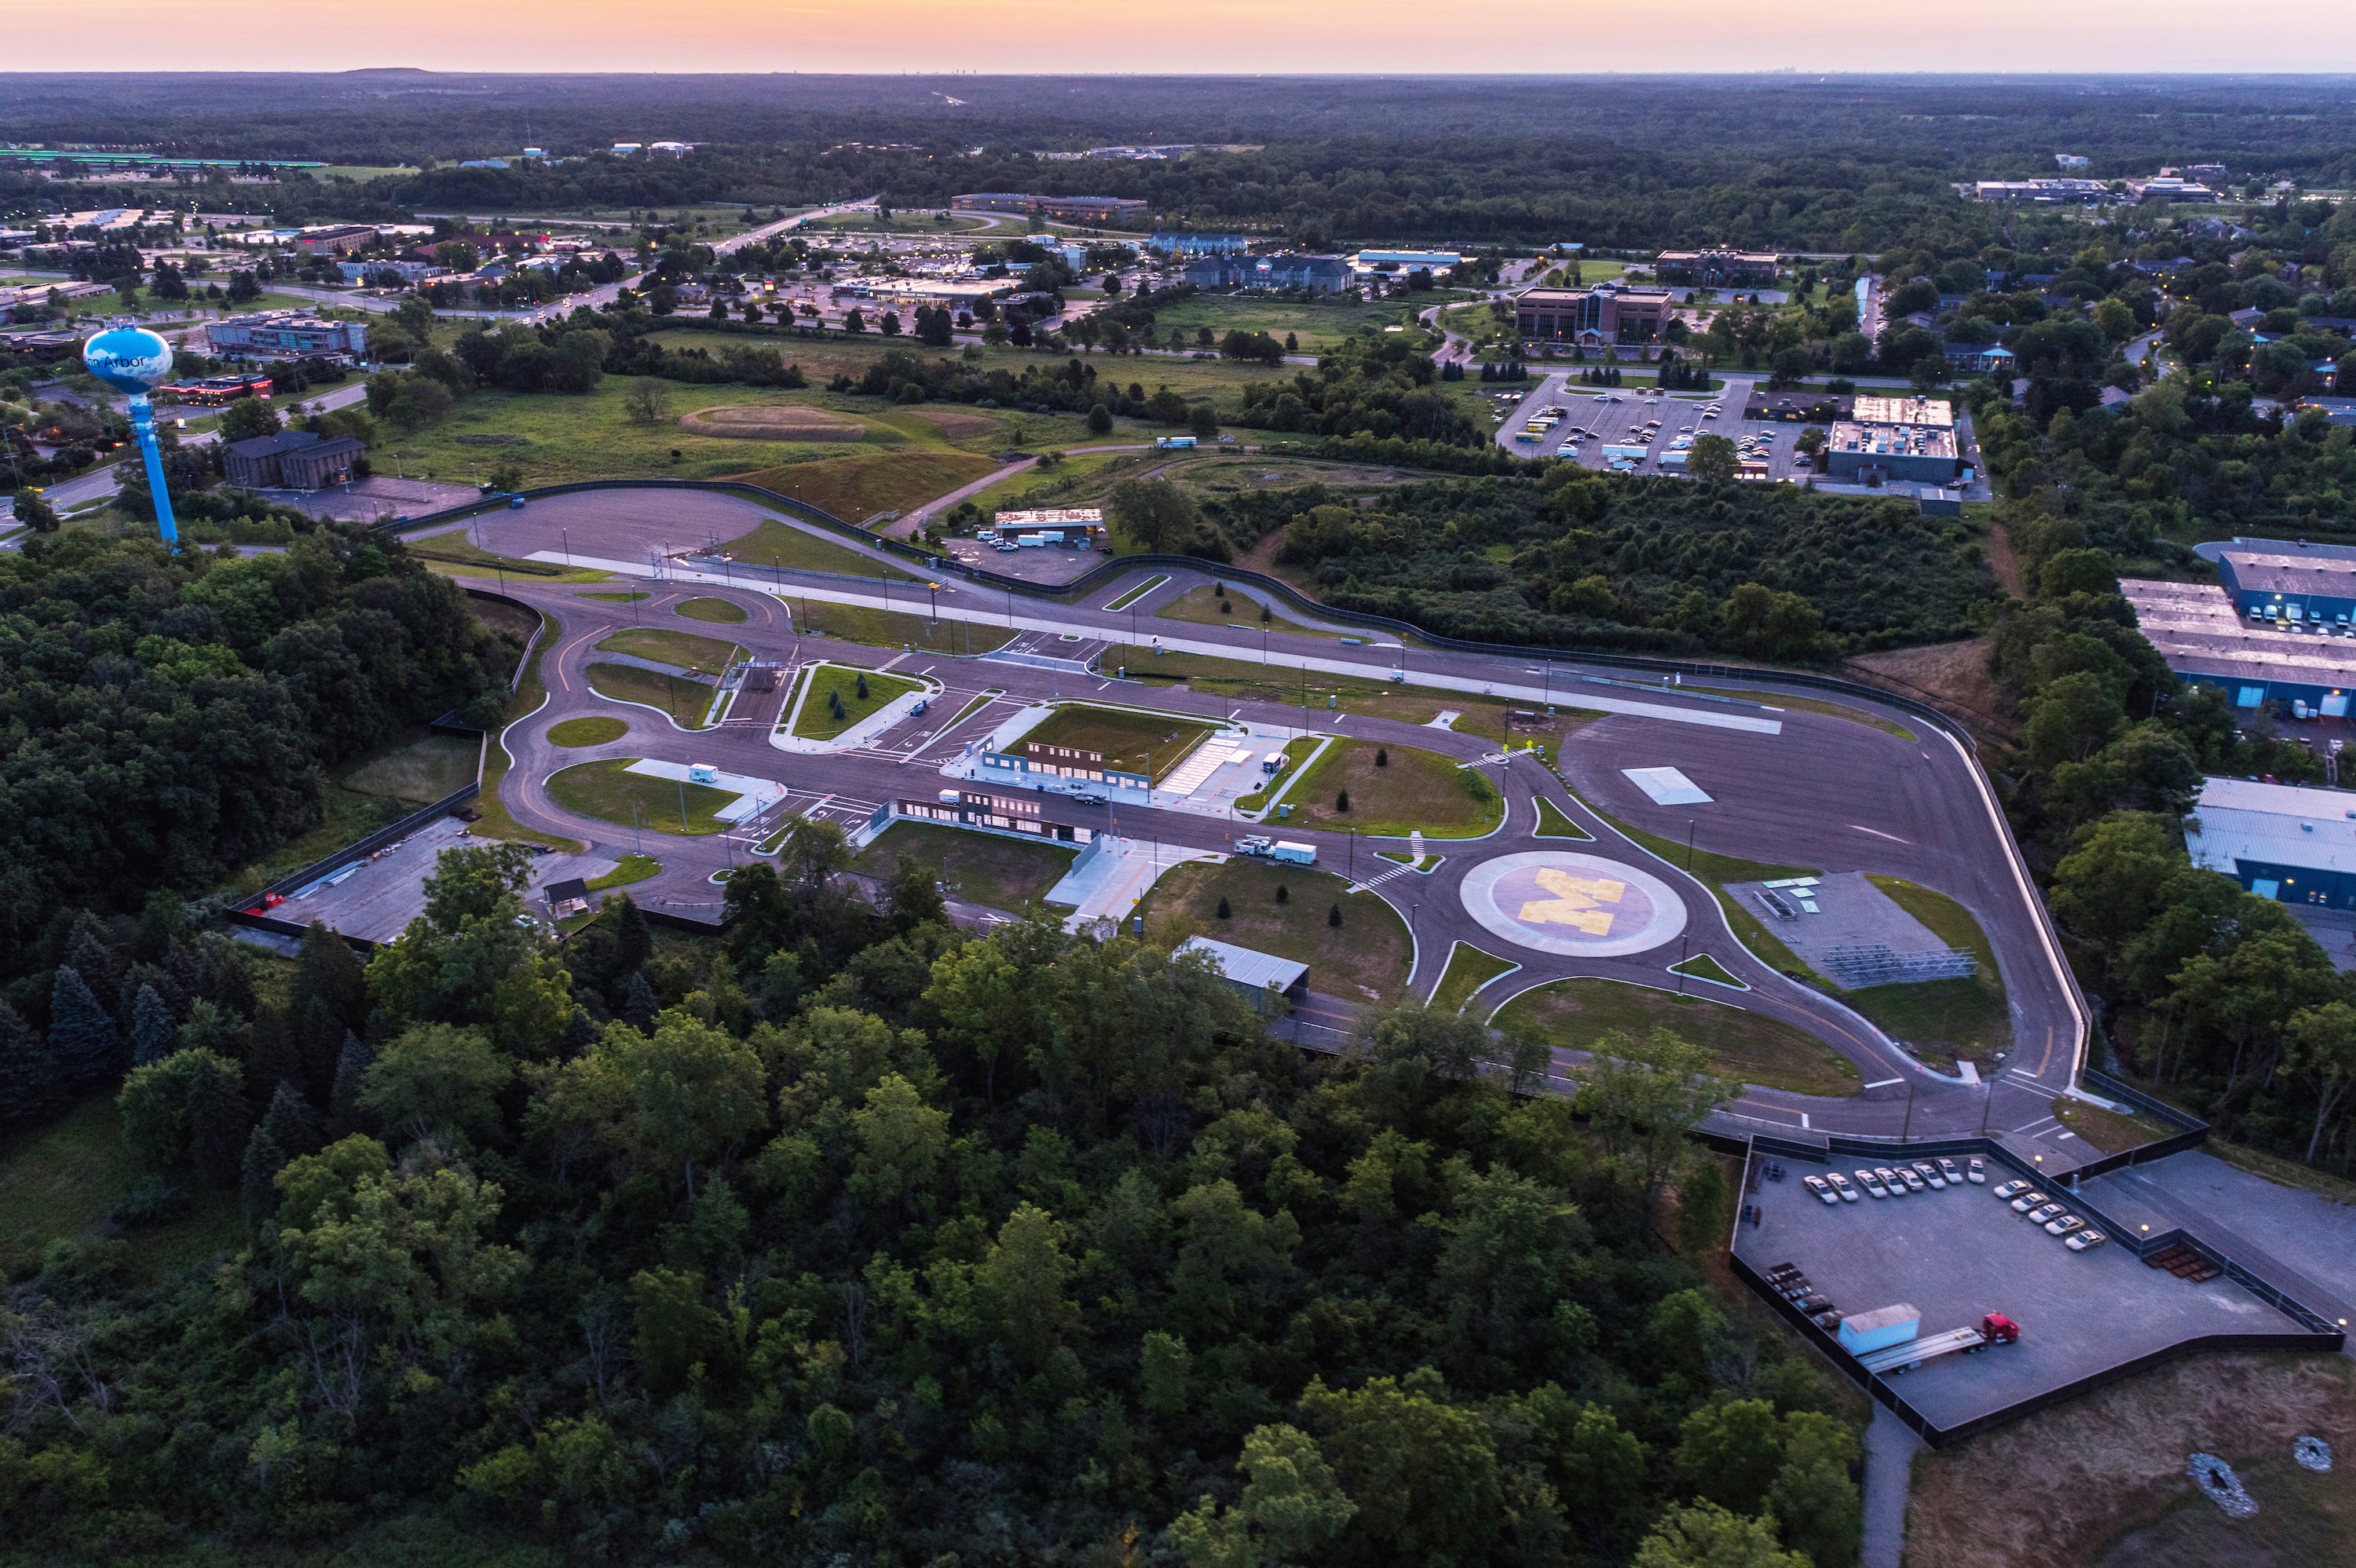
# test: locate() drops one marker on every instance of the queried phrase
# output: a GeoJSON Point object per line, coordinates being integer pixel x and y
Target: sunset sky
{"type": "Point", "coordinates": [1201, 36]}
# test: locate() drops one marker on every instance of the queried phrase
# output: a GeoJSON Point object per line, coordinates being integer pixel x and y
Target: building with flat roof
{"type": "Point", "coordinates": [1432, 261]}
{"type": "Point", "coordinates": [2293, 843]}
{"type": "Point", "coordinates": [1254, 972]}
{"type": "Point", "coordinates": [1597, 318]}
{"type": "Point", "coordinates": [291, 460]}
{"type": "Point", "coordinates": [1185, 242]}
{"type": "Point", "coordinates": [1718, 267]}
{"type": "Point", "coordinates": [213, 390]}
{"type": "Point", "coordinates": [1867, 452]}
{"type": "Point", "coordinates": [2206, 640]}
{"type": "Point", "coordinates": [2288, 581]}
{"type": "Point", "coordinates": [992, 813]}
{"type": "Point", "coordinates": [2169, 187]}
{"type": "Point", "coordinates": [1929, 413]}
{"type": "Point", "coordinates": [337, 239]}
{"type": "Point", "coordinates": [2047, 192]}
{"type": "Point", "coordinates": [283, 332]}
{"type": "Point", "coordinates": [1283, 272]}
{"type": "Point", "coordinates": [1071, 209]}
{"type": "Point", "coordinates": [1802, 406]}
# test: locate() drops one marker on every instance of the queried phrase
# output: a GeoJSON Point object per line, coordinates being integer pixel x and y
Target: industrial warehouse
{"type": "Point", "coordinates": [2279, 625]}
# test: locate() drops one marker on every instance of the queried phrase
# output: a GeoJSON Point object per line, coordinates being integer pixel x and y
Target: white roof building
{"type": "Point", "coordinates": [2292, 842]}
{"type": "Point", "coordinates": [1249, 970]}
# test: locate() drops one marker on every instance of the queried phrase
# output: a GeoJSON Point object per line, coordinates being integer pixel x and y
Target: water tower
{"type": "Point", "coordinates": [135, 360]}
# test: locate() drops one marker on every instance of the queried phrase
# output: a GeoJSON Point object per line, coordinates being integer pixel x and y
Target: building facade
{"type": "Point", "coordinates": [1282, 273]}
{"type": "Point", "coordinates": [2286, 842]}
{"type": "Point", "coordinates": [337, 239]}
{"type": "Point", "coordinates": [291, 460]}
{"type": "Point", "coordinates": [1606, 315]}
{"type": "Point", "coordinates": [1870, 453]}
{"type": "Point", "coordinates": [280, 334]}
{"type": "Point", "coordinates": [1720, 268]}
{"type": "Point", "coordinates": [1171, 243]}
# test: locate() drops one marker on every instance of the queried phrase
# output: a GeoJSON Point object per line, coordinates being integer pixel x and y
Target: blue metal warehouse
{"type": "Point", "coordinates": [2288, 842]}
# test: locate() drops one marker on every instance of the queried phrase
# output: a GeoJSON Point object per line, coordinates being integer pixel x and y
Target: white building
{"type": "Point", "coordinates": [2293, 843]}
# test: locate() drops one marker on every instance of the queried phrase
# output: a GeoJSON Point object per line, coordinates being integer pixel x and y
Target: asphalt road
{"type": "Point", "coordinates": [1836, 791]}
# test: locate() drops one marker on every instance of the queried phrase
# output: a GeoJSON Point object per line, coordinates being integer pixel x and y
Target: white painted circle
{"type": "Point", "coordinates": [1578, 906]}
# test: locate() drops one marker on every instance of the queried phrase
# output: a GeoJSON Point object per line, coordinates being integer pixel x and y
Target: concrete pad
{"type": "Point", "coordinates": [1961, 1253]}
{"type": "Point", "coordinates": [1574, 905]}
{"type": "Point", "coordinates": [1667, 786]}
{"type": "Point", "coordinates": [1850, 913]}
{"type": "Point", "coordinates": [1113, 876]}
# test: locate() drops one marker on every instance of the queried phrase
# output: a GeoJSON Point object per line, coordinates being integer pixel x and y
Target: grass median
{"type": "Point", "coordinates": [838, 696]}
{"type": "Point", "coordinates": [1396, 790]}
{"type": "Point", "coordinates": [1759, 1049]}
{"type": "Point", "coordinates": [1366, 957]}
{"type": "Point", "coordinates": [685, 698]}
{"type": "Point", "coordinates": [607, 791]}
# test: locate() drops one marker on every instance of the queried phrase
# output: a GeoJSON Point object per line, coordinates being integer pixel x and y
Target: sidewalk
{"type": "Point", "coordinates": [1115, 875]}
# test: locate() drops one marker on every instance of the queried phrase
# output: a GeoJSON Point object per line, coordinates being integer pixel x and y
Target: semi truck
{"type": "Point", "coordinates": [1889, 1340]}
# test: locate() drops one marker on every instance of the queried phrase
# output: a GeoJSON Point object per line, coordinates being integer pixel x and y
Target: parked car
{"type": "Point", "coordinates": [2043, 1212]}
{"type": "Point", "coordinates": [1822, 1188]}
{"type": "Point", "coordinates": [1930, 1173]}
{"type": "Point", "coordinates": [1979, 1168]}
{"type": "Point", "coordinates": [1947, 1168]}
{"type": "Point", "coordinates": [1872, 1184]}
{"type": "Point", "coordinates": [2064, 1225]}
{"type": "Point", "coordinates": [1890, 1179]}
{"type": "Point", "coordinates": [2086, 1240]}
{"type": "Point", "coordinates": [2028, 1200]}
{"type": "Point", "coordinates": [2009, 1189]}
{"type": "Point", "coordinates": [1911, 1178]}
{"type": "Point", "coordinates": [1844, 1185]}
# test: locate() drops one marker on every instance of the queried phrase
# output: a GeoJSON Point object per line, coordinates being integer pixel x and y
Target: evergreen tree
{"type": "Point", "coordinates": [257, 1183]}
{"type": "Point", "coordinates": [138, 976]}
{"type": "Point", "coordinates": [1334, 916]}
{"type": "Point", "coordinates": [217, 1121]}
{"type": "Point", "coordinates": [329, 970]}
{"type": "Point", "coordinates": [640, 1003]}
{"type": "Point", "coordinates": [351, 1066]}
{"type": "Point", "coordinates": [318, 1039]}
{"type": "Point", "coordinates": [92, 957]}
{"type": "Point", "coordinates": [292, 1124]}
{"type": "Point", "coordinates": [1225, 911]}
{"type": "Point", "coordinates": [31, 1086]}
{"type": "Point", "coordinates": [634, 939]}
{"type": "Point", "coordinates": [81, 1033]}
{"type": "Point", "coordinates": [155, 1034]}
{"type": "Point", "coordinates": [213, 1028]}
{"type": "Point", "coordinates": [861, 684]}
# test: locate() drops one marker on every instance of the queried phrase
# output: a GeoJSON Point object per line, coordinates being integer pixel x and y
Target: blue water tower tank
{"type": "Point", "coordinates": [128, 359]}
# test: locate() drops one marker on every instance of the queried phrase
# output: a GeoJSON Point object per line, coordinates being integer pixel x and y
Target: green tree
{"type": "Point", "coordinates": [1645, 1097]}
{"type": "Point", "coordinates": [155, 1032]}
{"type": "Point", "coordinates": [1290, 1508]}
{"type": "Point", "coordinates": [1707, 1536]}
{"type": "Point", "coordinates": [2072, 718]}
{"type": "Point", "coordinates": [1156, 515]}
{"type": "Point", "coordinates": [1203, 421]}
{"type": "Point", "coordinates": [1164, 1371]}
{"type": "Point", "coordinates": [437, 1081]}
{"type": "Point", "coordinates": [663, 1102]}
{"type": "Point", "coordinates": [33, 509]}
{"type": "Point", "coordinates": [1023, 1287]}
{"type": "Point", "coordinates": [1422, 1473]}
{"type": "Point", "coordinates": [901, 1144]}
{"type": "Point", "coordinates": [1100, 420]}
{"type": "Point", "coordinates": [1713, 460]}
{"type": "Point", "coordinates": [2322, 1053]}
{"type": "Point", "coordinates": [81, 1033]}
{"type": "Point", "coordinates": [1815, 1496]}
{"type": "Point", "coordinates": [1730, 1451]}
{"type": "Point", "coordinates": [672, 1331]}
{"type": "Point", "coordinates": [31, 1084]}
{"type": "Point", "coordinates": [247, 418]}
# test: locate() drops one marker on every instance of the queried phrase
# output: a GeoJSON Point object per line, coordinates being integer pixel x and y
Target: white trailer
{"type": "Point", "coordinates": [1293, 854]}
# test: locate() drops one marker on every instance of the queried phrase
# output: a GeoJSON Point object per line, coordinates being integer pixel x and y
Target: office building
{"type": "Point", "coordinates": [1283, 272]}
{"type": "Point", "coordinates": [291, 460]}
{"type": "Point", "coordinates": [1598, 317]}
{"type": "Point", "coordinates": [2292, 843]}
{"type": "Point", "coordinates": [1069, 208]}
{"type": "Point", "coordinates": [1181, 242]}
{"type": "Point", "coordinates": [2288, 581]}
{"type": "Point", "coordinates": [994, 814]}
{"type": "Point", "coordinates": [2171, 186]}
{"type": "Point", "coordinates": [337, 239]}
{"type": "Point", "coordinates": [2046, 192]}
{"type": "Point", "coordinates": [1884, 453]}
{"type": "Point", "coordinates": [1717, 269]}
{"type": "Point", "coordinates": [283, 333]}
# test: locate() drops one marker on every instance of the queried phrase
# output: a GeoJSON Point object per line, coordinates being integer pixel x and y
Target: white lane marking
{"type": "Point", "coordinates": [1893, 838]}
{"type": "Point", "coordinates": [1885, 1082]}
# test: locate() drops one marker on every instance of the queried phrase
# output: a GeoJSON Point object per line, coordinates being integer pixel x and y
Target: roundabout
{"type": "Point", "coordinates": [1573, 905]}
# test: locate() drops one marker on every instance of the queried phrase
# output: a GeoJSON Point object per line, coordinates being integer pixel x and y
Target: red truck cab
{"type": "Point", "coordinates": [1999, 1329]}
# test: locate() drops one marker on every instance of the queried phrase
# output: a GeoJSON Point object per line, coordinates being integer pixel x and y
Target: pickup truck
{"type": "Point", "coordinates": [1897, 1360]}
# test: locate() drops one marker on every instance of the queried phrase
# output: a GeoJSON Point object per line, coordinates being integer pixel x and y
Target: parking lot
{"type": "Point", "coordinates": [1049, 565]}
{"type": "Point", "coordinates": [1640, 424]}
{"type": "Point", "coordinates": [378, 897]}
{"type": "Point", "coordinates": [1960, 1254]}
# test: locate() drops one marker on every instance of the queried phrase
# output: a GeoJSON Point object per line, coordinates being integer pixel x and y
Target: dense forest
{"type": "Point", "coordinates": [854, 1238]}
{"type": "Point", "coordinates": [165, 718]}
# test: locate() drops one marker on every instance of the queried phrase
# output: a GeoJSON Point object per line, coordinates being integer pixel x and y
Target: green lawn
{"type": "Point", "coordinates": [607, 790]}
{"type": "Point", "coordinates": [1127, 739]}
{"type": "Point", "coordinates": [1945, 1018]}
{"type": "Point", "coordinates": [452, 547]}
{"type": "Point", "coordinates": [1317, 323]}
{"type": "Point", "coordinates": [684, 697]}
{"type": "Point", "coordinates": [987, 869]}
{"type": "Point", "coordinates": [1469, 969]}
{"type": "Point", "coordinates": [1366, 957]}
{"type": "Point", "coordinates": [618, 598]}
{"type": "Point", "coordinates": [1413, 789]}
{"type": "Point", "coordinates": [1554, 823]}
{"type": "Point", "coordinates": [1574, 1013]}
{"type": "Point", "coordinates": [1201, 605]}
{"type": "Point", "coordinates": [794, 549]}
{"type": "Point", "coordinates": [897, 629]}
{"type": "Point", "coordinates": [59, 1180]}
{"type": "Point", "coordinates": [682, 650]}
{"type": "Point", "coordinates": [817, 720]}
{"type": "Point", "coordinates": [417, 770]}
{"type": "Point", "coordinates": [627, 870]}
{"type": "Point", "coordinates": [722, 612]}
{"type": "Point", "coordinates": [870, 484]}
{"type": "Point", "coordinates": [1702, 966]}
{"type": "Point", "coordinates": [590, 730]}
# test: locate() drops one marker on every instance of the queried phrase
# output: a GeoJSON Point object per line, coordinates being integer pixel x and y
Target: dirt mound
{"type": "Point", "coordinates": [757, 422]}
{"type": "Point", "coordinates": [955, 425]}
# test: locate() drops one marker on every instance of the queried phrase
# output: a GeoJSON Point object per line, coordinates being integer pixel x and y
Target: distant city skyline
{"type": "Point", "coordinates": [1212, 36]}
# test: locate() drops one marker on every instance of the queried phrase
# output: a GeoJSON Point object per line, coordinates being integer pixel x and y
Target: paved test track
{"type": "Point", "coordinates": [1789, 786]}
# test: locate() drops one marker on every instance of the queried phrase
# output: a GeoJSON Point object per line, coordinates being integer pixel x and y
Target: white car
{"type": "Point", "coordinates": [1822, 1188]}
{"type": "Point", "coordinates": [1930, 1173]}
{"type": "Point", "coordinates": [2086, 1240]}
{"type": "Point", "coordinates": [2010, 1188]}
{"type": "Point", "coordinates": [2064, 1225]}
{"type": "Point", "coordinates": [1947, 1168]}
{"type": "Point", "coordinates": [1872, 1184]}
{"type": "Point", "coordinates": [1844, 1185]}
{"type": "Point", "coordinates": [1979, 1168]}
{"type": "Point", "coordinates": [2032, 1200]}
{"type": "Point", "coordinates": [1911, 1177]}
{"type": "Point", "coordinates": [1890, 1179]}
{"type": "Point", "coordinates": [2043, 1212]}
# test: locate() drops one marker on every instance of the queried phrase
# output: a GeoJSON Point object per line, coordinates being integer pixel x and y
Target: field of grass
{"type": "Point", "coordinates": [1414, 789]}
{"type": "Point", "coordinates": [1316, 323]}
{"type": "Point", "coordinates": [1554, 823]}
{"type": "Point", "coordinates": [59, 1180]}
{"type": "Point", "coordinates": [415, 771]}
{"type": "Point", "coordinates": [987, 869]}
{"type": "Point", "coordinates": [1201, 605]}
{"type": "Point", "coordinates": [1131, 740]}
{"type": "Point", "coordinates": [627, 870]}
{"type": "Point", "coordinates": [1469, 969]}
{"type": "Point", "coordinates": [2100, 1480]}
{"type": "Point", "coordinates": [1762, 1051]}
{"type": "Point", "coordinates": [590, 730]}
{"type": "Point", "coordinates": [1702, 966]}
{"type": "Point", "coordinates": [685, 650]}
{"type": "Point", "coordinates": [684, 697]}
{"type": "Point", "coordinates": [871, 484]}
{"type": "Point", "coordinates": [1941, 1018]}
{"type": "Point", "coordinates": [607, 790]}
{"type": "Point", "coordinates": [816, 720]}
{"type": "Point", "coordinates": [893, 629]}
{"type": "Point", "coordinates": [783, 545]}
{"type": "Point", "coordinates": [1366, 957]}
{"type": "Point", "coordinates": [721, 612]}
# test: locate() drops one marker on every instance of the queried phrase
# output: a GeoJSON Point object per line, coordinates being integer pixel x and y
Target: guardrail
{"type": "Point", "coordinates": [2191, 1132]}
